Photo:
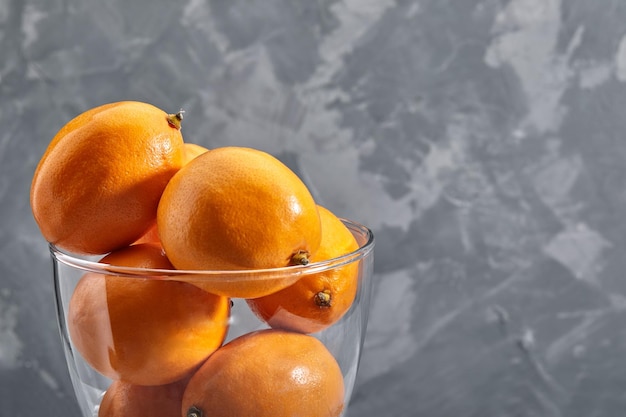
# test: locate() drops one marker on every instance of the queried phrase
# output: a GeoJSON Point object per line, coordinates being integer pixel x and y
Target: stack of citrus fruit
{"type": "Point", "coordinates": [119, 181]}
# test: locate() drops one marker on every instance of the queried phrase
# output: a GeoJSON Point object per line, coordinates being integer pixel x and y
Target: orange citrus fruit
{"type": "Point", "coordinates": [318, 300]}
{"type": "Point", "coordinates": [192, 150]}
{"type": "Point", "coordinates": [268, 373]}
{"type": "Point", "coordinates": [150, 236]}
{"type": "Point", "coordinates": [144, 330]}
{"type": "Point", "coordinates": [98, 184]}
{"type": "Point", "coordinates": [237, 208]}
{"type": "Point", "coordinates": [123, 399]}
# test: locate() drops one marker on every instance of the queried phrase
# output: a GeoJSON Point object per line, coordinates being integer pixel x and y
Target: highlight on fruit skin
{"type": "Point", "coordinates": [97, 186]}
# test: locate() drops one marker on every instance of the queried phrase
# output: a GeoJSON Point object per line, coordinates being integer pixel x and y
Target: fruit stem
{"type": "Point", "coordinates": [175, 119]}
{"type": "Point", "coordinates": [194, 412]}
{"type": "Point", "coordinates": [301, 257]}
{"type": "Point", "coordinates": [323, 298]}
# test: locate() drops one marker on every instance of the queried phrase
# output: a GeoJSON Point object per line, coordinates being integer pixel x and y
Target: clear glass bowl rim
{"type": "Point", "coordinates": [78, 262]}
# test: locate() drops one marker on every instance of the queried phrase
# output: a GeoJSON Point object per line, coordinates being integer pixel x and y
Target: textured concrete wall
{"type": "Point", "coordinates": [482, 140]}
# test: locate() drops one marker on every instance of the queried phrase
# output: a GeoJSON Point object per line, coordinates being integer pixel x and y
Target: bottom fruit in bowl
{"type": "Point", "coordinates": [267, 373]}
{"type": "Point", "coordinates": [123, 399]}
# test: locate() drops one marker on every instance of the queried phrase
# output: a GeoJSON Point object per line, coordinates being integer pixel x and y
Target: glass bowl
{"type": "Point", "coordinates": [344, 339]}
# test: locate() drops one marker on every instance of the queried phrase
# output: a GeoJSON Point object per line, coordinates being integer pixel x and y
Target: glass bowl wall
{"type": "Point", "coordinates": [344, 339]}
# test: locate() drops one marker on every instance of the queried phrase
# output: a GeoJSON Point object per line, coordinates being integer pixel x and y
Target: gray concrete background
{"type": "Point", "coordinates": [481, 140]}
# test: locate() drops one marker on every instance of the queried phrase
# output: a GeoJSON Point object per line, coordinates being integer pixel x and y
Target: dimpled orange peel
{"type": "Point", "coordinates": [236, 208]}
{"type": "Point", "coordinates": [98, 184]}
